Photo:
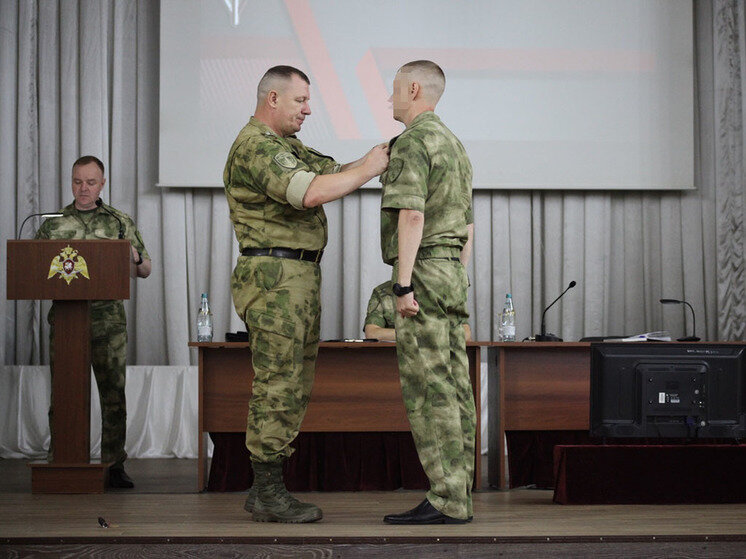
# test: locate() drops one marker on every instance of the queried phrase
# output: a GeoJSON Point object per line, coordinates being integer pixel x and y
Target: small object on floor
{"type": "Point", "coordinates": [424, 513]}
{"type": "Point", "coordinates": [102, 522]}
{"type": "Point", "coordinates": [119, 479]}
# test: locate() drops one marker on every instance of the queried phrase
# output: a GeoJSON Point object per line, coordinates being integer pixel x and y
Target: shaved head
{"type": "Point", "coordinates": [276, 79]}
{"type": "Point", "coordinates": [429, 75]}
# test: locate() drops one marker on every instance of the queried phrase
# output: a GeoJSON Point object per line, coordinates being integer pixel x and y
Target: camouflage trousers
{"type": "Point", "coordinates": [108, 357]}
{"type": "Point", "coordinates": [279, 300]}
{"type": "Point", "coordinates": [434, 373]}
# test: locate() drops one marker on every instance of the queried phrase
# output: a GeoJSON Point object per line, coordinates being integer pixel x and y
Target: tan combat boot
{"type": "Point", "coordinates": [273, 502]}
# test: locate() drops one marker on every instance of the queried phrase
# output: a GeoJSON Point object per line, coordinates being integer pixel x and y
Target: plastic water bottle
{"type": "Point", "coordinates": [507, 320]}
{"type": "Point", "coordinates": [204, 321]}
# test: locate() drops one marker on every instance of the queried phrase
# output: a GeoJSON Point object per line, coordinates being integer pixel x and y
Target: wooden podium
{"type": "Point", "coordinates": [72, 272]}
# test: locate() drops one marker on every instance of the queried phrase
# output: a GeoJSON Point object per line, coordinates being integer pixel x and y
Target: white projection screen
{"type": "Point", "coordinates": [544, 94]}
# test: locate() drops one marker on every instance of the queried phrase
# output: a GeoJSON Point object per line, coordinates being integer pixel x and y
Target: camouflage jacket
{"type": "Point", "coordinates": [265, 179]}
{"type": "Point", "coordinates": [94, 224]}
{"type": "Point", "coordinates": [430, 172]}
{"type": "Point", "coordinates": [381, 306]}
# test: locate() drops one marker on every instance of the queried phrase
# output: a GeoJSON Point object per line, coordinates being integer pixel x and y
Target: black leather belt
{"type": "Point", "coordinates": [291, 253]}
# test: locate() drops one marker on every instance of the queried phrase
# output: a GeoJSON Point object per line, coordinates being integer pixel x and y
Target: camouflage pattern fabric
{"type": "Point", "coordinates": [432, 174]}
{"type": "Point", "coordinates": [381, 306]}
{"type": "Point", "coordinates": [108, 324]}
{"type": "Point", "coordinates": [279, 300]}
{"type": "Point", "coordinates": [259, 168]}
{"type": "Point", "coordinates": [434, 373]}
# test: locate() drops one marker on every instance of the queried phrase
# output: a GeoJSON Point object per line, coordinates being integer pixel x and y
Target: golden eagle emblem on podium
{"type": "Point", "coordinates": [68, 264]}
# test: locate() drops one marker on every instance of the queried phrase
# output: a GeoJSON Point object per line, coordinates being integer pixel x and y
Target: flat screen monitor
{"type": "Point", "coordinates": [654, 390]}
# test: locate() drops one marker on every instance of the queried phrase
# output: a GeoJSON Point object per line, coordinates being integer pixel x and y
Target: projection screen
{"type": "Point", "coordinates": [544, 94]}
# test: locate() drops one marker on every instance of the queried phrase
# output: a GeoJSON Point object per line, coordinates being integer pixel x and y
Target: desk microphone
{"type": "Point", "coordinates": [100, 204]}
{"type": "Point", "coordinates": [693, 337]}
{"type": "Point", "coordinates": [45, 215]}
{"type": "Point", "coordinates": [544, 337]}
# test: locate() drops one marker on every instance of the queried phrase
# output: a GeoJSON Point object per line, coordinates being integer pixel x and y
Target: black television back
{"type": "Point", "coordinates": [683, 390]}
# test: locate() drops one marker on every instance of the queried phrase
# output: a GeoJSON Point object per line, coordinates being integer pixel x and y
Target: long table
{"type": "Point", "coordinates": [356, 389]}
{"type": "Point", "coordinates": [534, 386]}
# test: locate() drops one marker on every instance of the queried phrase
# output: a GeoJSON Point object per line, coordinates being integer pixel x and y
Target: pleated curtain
{"type": "Point", "coordinates": [81, 77]}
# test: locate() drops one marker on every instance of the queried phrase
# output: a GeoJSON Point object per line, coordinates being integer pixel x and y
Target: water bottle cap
{"type": "Point", "coordinates": [204, 295]}
{"type": "Point", "coordinates": [508, 295]}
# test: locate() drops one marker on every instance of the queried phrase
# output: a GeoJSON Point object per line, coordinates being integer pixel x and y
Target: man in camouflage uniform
{"type": "Point", "coordinates": [426, 222]}
{"type": "Point", "coordinates": [88, 218]}
{"type": "Point", "coordinates": [275, 188]}
{"type": "Point", "coordinates": [380, 318]}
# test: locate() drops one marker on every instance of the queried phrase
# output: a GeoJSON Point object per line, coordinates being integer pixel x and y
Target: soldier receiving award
{"type": "Point", "coordinates": [426, 231]}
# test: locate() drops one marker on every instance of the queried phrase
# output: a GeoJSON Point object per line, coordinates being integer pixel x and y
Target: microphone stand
{"type": "Point", "coordinates": [45, 215]}
{"type": "Point", "coordinates": [693, 337]}
{"type": "Point", "coordinates": [544, 337]}
{"type": "Point", "coordinates": [100, 204]}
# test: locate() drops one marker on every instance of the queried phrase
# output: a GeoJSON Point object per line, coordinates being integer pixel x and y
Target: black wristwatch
{"type": "Point", "coordinates": [400, 290]}
{"type": "Point", "coordinates": [140, 261]}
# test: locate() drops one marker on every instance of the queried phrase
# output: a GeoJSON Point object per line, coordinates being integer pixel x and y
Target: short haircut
{"type": "Point", "coordinates": [86, 159]}
{"type": "Point", "coordinates": [275, 74]}
{"type": "Point", "coordinates": [429, 75]}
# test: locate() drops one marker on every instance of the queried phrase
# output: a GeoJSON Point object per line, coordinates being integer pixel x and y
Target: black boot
{"type": "Point", "coordinates": [118, 478]}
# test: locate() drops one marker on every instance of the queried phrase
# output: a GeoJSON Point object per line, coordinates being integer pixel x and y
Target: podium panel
{"type": "Point", "coordinates": [72, 272]}
{"type": "Point", "coordinates": [68, 269]}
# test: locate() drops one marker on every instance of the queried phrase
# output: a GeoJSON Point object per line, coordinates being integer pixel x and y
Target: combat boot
{"type": "Point", "coordinates": [248, 505]}
{"type": "Point", "coordinates": [273, 502]}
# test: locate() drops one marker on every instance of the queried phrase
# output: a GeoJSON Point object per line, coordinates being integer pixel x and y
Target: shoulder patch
{"type": "Point", "coordinates": [394, 169]}
{"type": "Point", "coordinates": [286, 159]}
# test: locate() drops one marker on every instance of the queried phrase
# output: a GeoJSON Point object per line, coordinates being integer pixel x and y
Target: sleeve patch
{"type": "Point", "coordinates": [286, 159]}
{"type": "Point", "coordinates": [394, 170]}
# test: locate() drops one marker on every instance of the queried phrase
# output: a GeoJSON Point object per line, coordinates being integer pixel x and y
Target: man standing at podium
{"type": "Point", "coordinates": [275, 187]}
{"type": "Point", "coordinates": [426, 225]}
{"type": "Point", "coordinates": [88, 218]}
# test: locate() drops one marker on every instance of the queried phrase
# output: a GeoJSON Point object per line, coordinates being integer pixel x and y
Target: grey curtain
{"type": "Point", "coordinates": [81, 77]}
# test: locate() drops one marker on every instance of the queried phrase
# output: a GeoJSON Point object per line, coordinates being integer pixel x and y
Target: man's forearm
{"type": "Point", "coordinates": [411, 223]}
{"type": "Point", "coordinates": [327, 188]}
{"type": "Point", "coordinates": [352, 164]}
{"type": "Point", "coordinates": [466, 251]}
{"type": "Point", "coordinates": [380, 333]}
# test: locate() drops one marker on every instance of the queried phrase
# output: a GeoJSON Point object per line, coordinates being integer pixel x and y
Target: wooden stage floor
{"type": "Point", "coordinates": [520, 522]}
